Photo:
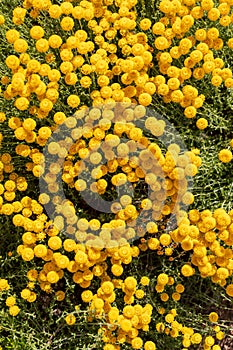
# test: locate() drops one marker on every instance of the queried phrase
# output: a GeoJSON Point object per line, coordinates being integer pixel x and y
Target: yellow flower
{"type": "Point", "coordinates": [27, 254]}
{"type": "Point", "coordinates": [191, 170]}
{"type": "Point", "coordinates": [55, 41]}
{"type": "Point", "coordinates": [81, 257]}
{"type": "Point", "coordinates": [94, 224]}
{"type": "Point", "coordinates": [200, 34]}
{"type": "Point", "coordinates": [55, 11]}
{"type": "Point", "coordinates": [163, 89]}
{"type": "Point", "coordinates": [4, 284]}
{"type": "Point", "coordinates": [216, 347]}
{"type": "Point", "coordinates": [32, 275]}
{"type": "Point", "coordinates": [87, 296]}
{"type": "Point", "coordinates": [55, 243]}
{"type": "Point", "coordinates": [187, 270]}
{"type": "Point", "coordinates": [222, 273]}
{"type": "Point", "coordinates": [10, 301]}
{"type": "Point", "coordinates": [66, 8]}
{"type": "Point", "coordinates": [176, 296]}
{"type": "Point", "coordinates": [187, 243]}
{"type": "Point", "coordinates": [54, 75]}
{"type": "Point", "coordinates": [25, 293]}
{"type": "Point", "coordinates": [98, 303]}
{"type": "Point", "coordinates": [137, 343]}
{"type": "Point", "coordinates": [69, 245]}
{"type": "Point", "coordinates": [20, 45]}
{"type": "Point", "coordinates": [12, 35]}
{"type": "Point", "coordinates": [149, 345]}
{"type": "Point", "coordinates": [107, 287]}
{"type": "Point", "coordinates": [209, 341]}
{"type": "Point", "coordinates": [145, 24]}
{"type": "Point", "coordinates": [44, 132]}
{"type": "Point", "coordinates": [185, 45]}
{"type": "Point", "coordinates": [128, 311]}
{"type": "Point", "coordinates": [36, 32]}
{"type": "Point", "coordinates": [139, 294]}
{"type": "Point", "coordinates": [216, 80]}
{"type": "Point", "coordinates": [161, 43]}
{"type": "Point", "coordinates": [46, 105]}
{"type": "Point", "coordinates": [62, 261]}
{"type": "Point", "coordinates": [117, 270]}
{"type": "Point", "coordinates": [145, 99]}
{"type": "Point", "coordinates": [196, 338]}
{"type": "Point", "coordinates": [113, 314]}
{"type": "Point", "coordinates": [188, 198]}
{"type": "Point", "coordinates": [190, 112]}
{"type": "Point", "coordinates": [180, 288]}
{"type": "Point", "coordinates": [126, 325]}
{"type": "Point", "coordinates": [225, 156]}
{"type": "Point", "coordinates": [160, 327]}
{"type": "Point", "coordinates": [130, 283]}
{"type": "Point", "coordinates": [109, 347]}
{"type": "Point", "coordinates": [169, 318]}
{"type": "Point", "coordinates": [14, 310]}
{"type": "Point", "coordinates": [229, 83]}
{"type": "Point", "coordinates": [29, 238]}
{"type": "Point", "coordinates": [80, 185]}
{"type": "Point", "coordinates": [73, 101]}
{"type": "Point", "coordinates": [162, 279]}
{"type": "Point", "coordinates": [153, 243]}
{"type": "Point", "coordinates": [2, 19]}
{"type": "Point", "coordinates": [145, 280]}
{"type": "Point", "coordinates": [158, 28]}
{"type": "Point", "coordinates": [52, 277]}
{"type": "Point", "coordinates": [21, 103]}
{"type": "Point", "coordinates": [125, 251]}
{"type": "Point", "coordinates": [12, 62]}
{"type": "Point", "coordinates": [70, 319]}
{"type": "Point", "coordinates": [59, 117]}
{"type": "Point", "coordinates": [213, 14]}
{"type": "Point", "coordinates": [196, 56]}
{"type": "Point", "coordinates": [32, 297]}
{"type": "Point", "coordinates": [202, 123]}
{"type": "Point", "coordinates": [165, 239]}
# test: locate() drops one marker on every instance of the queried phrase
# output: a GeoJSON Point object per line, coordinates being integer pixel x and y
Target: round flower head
{"type": "Point", "coordinates": [137, 343]}
{"type": "Point", "coordinates": [20, 45]}
{"type": "Point", "coordinates": [10, 301]}
{"type": "Point", "coordinates": [213, 317]}
{"type": "Point", "coordinates": [130, 283]}
{"type": "Point", "coordinates": [36, 32]}
{"type": "Point", "coordinates": [70, 319]}
{"type": "Point", "coordinates": [14, 310]}
{"type": "Point", "coordinates": [225, 156]}
{"type": "Point", "coordinates": [202, 123]}
{"type": "Point", "coordinates": [187, 270]}
{"type": "Point", "coordinates": [55, 11]}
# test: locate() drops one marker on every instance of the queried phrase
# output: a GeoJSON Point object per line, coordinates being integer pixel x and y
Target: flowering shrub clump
{"type": "Point", "coordinates": [116, 174]}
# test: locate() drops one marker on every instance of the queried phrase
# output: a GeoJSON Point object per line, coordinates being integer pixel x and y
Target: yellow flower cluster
{"type": "Point", "coordinates": [124, 326]}
{"type": "Point", "coordinates": [30, 76]}
{"type": "Point", "coordinates": [90, 261]}
{"type": "Point", "coordinates": [166, 175]}
{"type": "Point", "coordinates": [103, 55]}
{"type": "Point", "coordinates": [209, 235]}
{"type": "Point", "coordinates": [6, 166]}
{"type": "Point", "coordinates": [4, 285]}
{"type": "Point", "coordinates": [13, 309]}
{"type": "Point", "coordinates": [10, 300]}
{"type": "Point", "coordinates": [196, 51]}
{"type": "Point", "coordinates": [95, 64]}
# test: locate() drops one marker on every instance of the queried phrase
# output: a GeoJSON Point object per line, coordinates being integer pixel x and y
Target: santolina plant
{"type": "Point", "coordinates": [116, 174]}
